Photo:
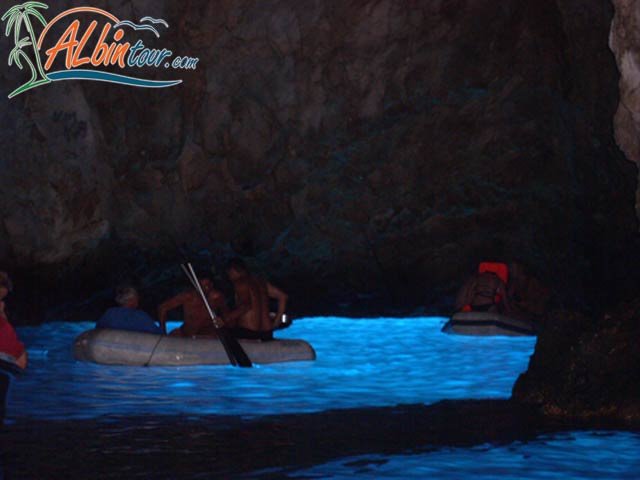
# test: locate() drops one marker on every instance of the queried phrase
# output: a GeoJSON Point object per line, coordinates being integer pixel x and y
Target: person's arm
{"type": "Point", "coordinates": [166, 307]}
{"type": "Point", "coordinates": [506, 302]}
{"type": "Point", "coordinates": [145, 323]}
{"type": "Point", "coordinates": [22, 360]}
{"type": "Point", "coordinates": [464, 296]}
{"type": "Point", "coordinates": [218, 307]}
{"type": "Point", "coordinates": [243, 304]}
{"type": "Point", "coordinates": [282, 298]}
{"type": "Point", "coordinates": [218, 302]}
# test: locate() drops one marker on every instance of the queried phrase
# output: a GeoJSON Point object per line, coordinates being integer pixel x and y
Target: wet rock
{"type": "Point", "coordinates": [624, 38]}
{"type": "Point", "coordinates": [586, 367]}
{"type": "Point", "coordinates": [363, 154]}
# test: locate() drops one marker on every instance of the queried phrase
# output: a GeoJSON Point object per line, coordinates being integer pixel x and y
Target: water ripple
{"type": "Point", "coordinates": [373, 362]}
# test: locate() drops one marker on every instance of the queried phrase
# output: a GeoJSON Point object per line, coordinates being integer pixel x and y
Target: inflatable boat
{"type": "Point", "coordinates": [120, 347]}
{"type": "Point", "coordinates": [488, 323]}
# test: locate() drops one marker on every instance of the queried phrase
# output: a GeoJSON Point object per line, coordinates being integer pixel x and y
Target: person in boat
{"type": "Point", "coordinates": [127, 315]}
{"type": "Point", "coordinates": [485, 291]}
{"type": "Point", "coordinates": [9, 341]}
{"type": "Point", "coordinates": [197, 320]}
{"type": "Point", "coordinates": [250, 318]}
{"type": "Point", "coordinates": [10, 345]}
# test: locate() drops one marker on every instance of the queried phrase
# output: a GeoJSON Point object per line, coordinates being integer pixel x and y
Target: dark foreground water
{"type": "Point", "coordinates": [364, 409]}
{"type": "Point", "coordinates": [584, 455]}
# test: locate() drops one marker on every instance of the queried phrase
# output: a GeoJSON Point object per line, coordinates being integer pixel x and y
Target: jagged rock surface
{"type": "Point", "coordinates": [624, 41]}
{"type": "Point", "coordinates": [365, 154]}
{"type": "Point", "coordinates": [586, 367]}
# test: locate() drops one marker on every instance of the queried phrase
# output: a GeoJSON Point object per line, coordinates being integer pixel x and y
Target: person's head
{"type": "Point", "coordinates": [206, 284]}
{"type": "Point", "coordinates": [236, 268]}
{"type": "Point", "coordinates": [5, 285]}
{"type": "Point", "coordinates": [127, 296]}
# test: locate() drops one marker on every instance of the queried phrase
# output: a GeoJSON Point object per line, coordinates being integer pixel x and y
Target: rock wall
{"type": "Point", "coordinates": [586, 367]}
{"type": "Point", "coordinates": [624, 41]}
{"type": "Point", "coordinates": [365, 154]}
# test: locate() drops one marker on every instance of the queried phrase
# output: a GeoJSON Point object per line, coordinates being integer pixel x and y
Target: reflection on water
{"type": "Point", "coordinates": [114, 419]}
{"type": "Point", "coordinates": [378, 362]}
{"type": "Point", "coordinates": [578, 455]}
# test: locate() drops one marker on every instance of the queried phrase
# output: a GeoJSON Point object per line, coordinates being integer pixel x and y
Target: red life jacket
{"type": "Point", "coordinates": [9, 342]}
{"type": "Point", "coordinates": [500, 269]}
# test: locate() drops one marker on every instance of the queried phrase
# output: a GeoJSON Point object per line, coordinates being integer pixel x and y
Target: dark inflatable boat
{"type": "Point", "coordinates": [488, 323]}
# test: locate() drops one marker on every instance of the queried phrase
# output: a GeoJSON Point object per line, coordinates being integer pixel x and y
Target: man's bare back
{"type": "Point", "coordinates": [196, 317]}
{"type": "Point", "coordinates": [252, 292]}
{"type": "Point", "coordinates": [252, 303]}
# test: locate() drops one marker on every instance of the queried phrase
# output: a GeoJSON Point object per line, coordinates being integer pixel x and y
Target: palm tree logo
{"type": "Point", "coordinates": [15, 17]}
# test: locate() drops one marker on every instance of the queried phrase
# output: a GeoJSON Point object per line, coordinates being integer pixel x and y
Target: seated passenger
{"type": "Point", "coordinates": [9, 342]}
{"type": "Point", "coordinates": [251, 319]}
{"type": "Point", "coordinates": [197, 320]}
{"type": "Point", "coordinates": [127, 316]}
{"type": "Point", "coordinates": [485, 291]}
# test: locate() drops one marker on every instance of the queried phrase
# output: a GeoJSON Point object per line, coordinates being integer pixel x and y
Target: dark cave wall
{"type": "Point", "coordinates": [586, 366]}
{"type": "Point", "coordinates": [624, 40]}
{"type": "Point", "coordinates": [363, 154]}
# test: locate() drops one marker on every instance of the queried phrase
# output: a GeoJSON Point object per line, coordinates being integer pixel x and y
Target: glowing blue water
{"type": "Point", "coordinates": [379, 362]}
{"type": "Point", "coordinates": [360, 363]}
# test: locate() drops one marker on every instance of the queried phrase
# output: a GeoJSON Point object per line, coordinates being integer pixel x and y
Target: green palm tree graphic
{"type": "Point", "coordinates": [15, 17]}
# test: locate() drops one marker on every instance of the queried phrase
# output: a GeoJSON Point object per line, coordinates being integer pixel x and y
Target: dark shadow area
{"type": "Point", "coordinates": [222, 446]}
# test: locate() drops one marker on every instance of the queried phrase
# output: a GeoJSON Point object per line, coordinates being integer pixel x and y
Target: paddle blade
{"type": "Point", "coordinates": [231, 344]}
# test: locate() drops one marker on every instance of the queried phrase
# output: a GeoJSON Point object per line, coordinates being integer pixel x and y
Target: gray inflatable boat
{"type": "Point", "coordinates": [488, 323]}
{"type": "Point", "coordinates": [120, 347]}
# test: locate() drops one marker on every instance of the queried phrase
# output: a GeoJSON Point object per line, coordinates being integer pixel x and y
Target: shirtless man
{"type": "Point", "coordinates": [196, 318]}
{"type": "Point", "coordinates": [250, 318]}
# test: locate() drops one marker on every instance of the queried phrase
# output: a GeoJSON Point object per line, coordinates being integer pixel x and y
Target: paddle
{"type": "Point", "coordinates": [235, 352]}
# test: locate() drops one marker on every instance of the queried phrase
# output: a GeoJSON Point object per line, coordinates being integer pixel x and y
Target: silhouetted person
{"type": "Point", "coordinates": [250, 318]}
{"type": "Point", "coordinates": [9, 342]}
{"type": "Point", "coordinates": [483, 292]}
{"type": "Point", "coordinates": [196, 317]}
{"type": "Point", "coordinates": [127, 316]}
{"type": "Point", "coordinates": [10, 345]}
